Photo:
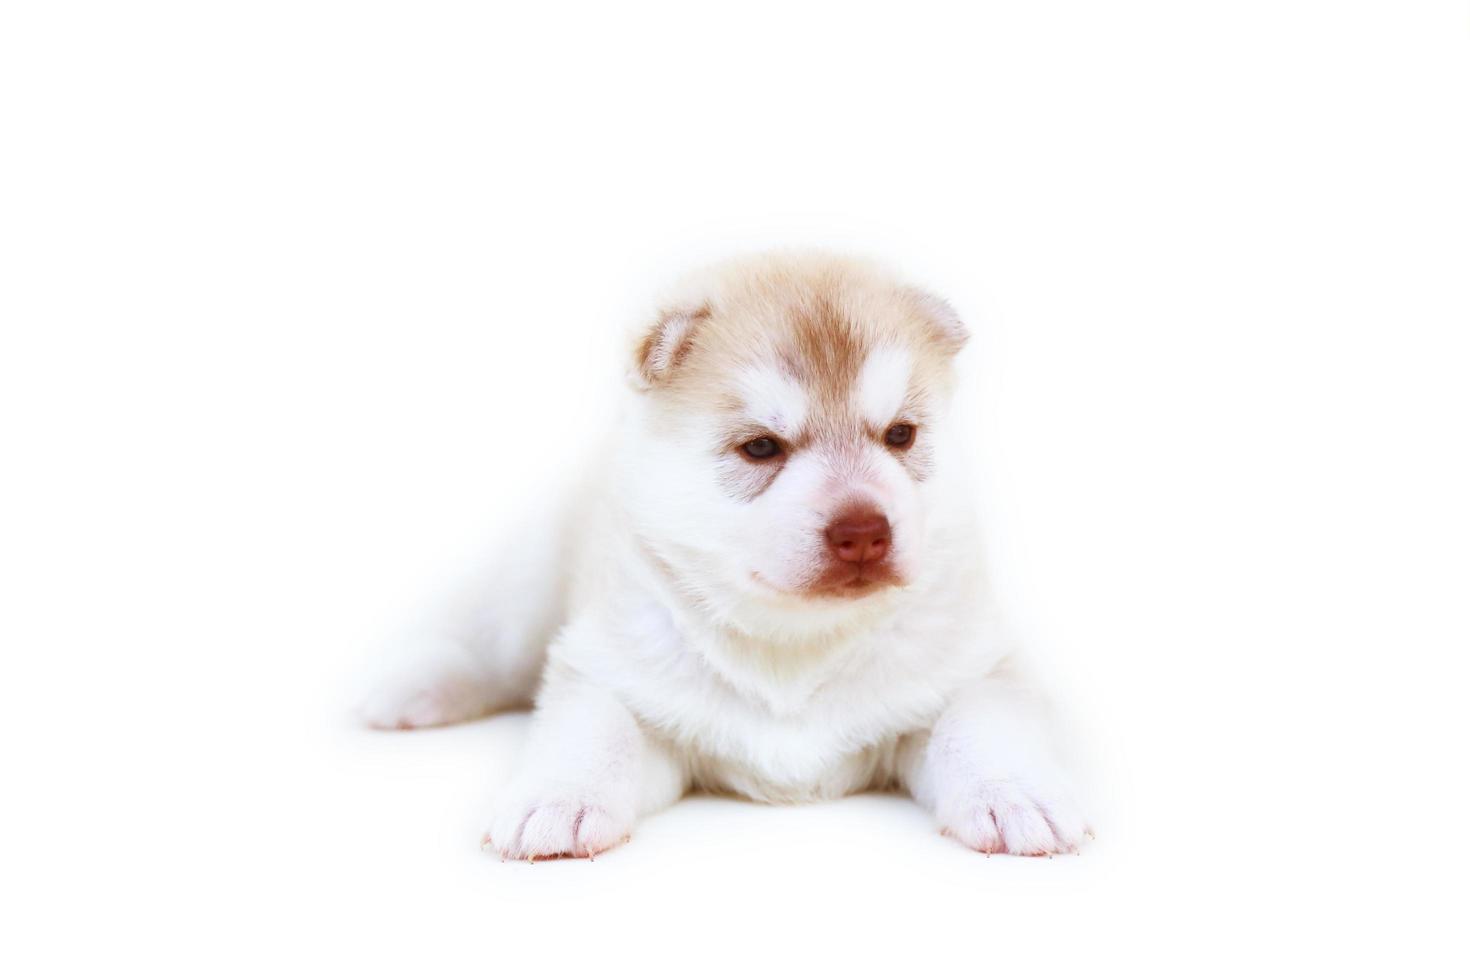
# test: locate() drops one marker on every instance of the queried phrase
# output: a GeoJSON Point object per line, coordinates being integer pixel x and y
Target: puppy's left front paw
{"type": "Point", "coordinates": [1005, 816]}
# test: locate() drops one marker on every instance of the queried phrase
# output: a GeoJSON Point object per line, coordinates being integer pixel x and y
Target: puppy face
{"type": "Point", "coordinates": [790, 418]}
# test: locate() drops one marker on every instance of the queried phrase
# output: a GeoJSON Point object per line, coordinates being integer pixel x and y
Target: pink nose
{"type": "Point", "coordinates": [859, 536]}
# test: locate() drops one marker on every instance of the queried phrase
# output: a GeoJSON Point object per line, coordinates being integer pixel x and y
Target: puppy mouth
{"type": "Point", "coordinates": [842, 580]}
{"type": "Point", "coordinates": [852, 580]}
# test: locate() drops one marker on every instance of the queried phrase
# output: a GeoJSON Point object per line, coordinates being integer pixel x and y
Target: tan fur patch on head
{"type": "Point", "coordinates": [825, 351]}
{"type": "Point", "coordinates": [815, 319]}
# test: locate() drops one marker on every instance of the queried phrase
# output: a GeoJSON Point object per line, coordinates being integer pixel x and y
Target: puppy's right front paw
{"type": "Point", "coordinates": [567, 826]}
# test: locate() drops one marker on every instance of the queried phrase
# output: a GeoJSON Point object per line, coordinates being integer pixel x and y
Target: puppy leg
{"type": "Point", "coordinates": [483, 649]}
{"type": "Point", "coordinates": [447, 678]}
{"type": "Point", "coordinates": [988, 773]}
{"type": "Point", "coordinates": [589, 771]}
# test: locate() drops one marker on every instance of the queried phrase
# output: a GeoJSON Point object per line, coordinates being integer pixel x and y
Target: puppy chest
{"type": "Point", "coordinates": [826, 749]}
{"type": "Point", "coordinates": [786, 778]}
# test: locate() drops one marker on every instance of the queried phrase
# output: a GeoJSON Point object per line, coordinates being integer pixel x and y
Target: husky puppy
{"type": "Point", "coordinates": [775, 591]}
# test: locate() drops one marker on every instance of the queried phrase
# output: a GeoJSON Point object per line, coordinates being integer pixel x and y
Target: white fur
{"type": "Point", "coordinates": [774, 399]}
{"type": "Point", "coordinates": [883, 384]}
{"type": "Point", "coordinates": [690, 656]}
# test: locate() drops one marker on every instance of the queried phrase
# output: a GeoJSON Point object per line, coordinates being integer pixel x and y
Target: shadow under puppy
{"type": "Point", "coordinates": [774, 589]}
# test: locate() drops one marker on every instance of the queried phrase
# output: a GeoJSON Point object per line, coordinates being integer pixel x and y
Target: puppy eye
{"type": "Point", "coordinates": [763, 448]}
{"type": "Point", "coordinates": [899, 436]}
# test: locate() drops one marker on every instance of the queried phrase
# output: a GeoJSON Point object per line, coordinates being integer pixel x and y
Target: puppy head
{"type": "Point", "coordinates": [790, 420]}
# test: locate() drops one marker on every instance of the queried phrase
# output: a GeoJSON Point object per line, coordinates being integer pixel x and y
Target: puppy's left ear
{"type": "Point", "coordinates": [664, 346]}
{"type": "Point", "coordinates": [949, 331]}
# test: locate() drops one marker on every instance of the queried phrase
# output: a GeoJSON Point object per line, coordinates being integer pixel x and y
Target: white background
{"type": "Point", "coordinates": [299, 300]}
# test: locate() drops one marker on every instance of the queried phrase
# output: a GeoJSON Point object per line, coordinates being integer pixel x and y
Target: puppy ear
{"type": "Point", "coordinates": [950, 332]}
{"type": "Point", "coordinates": [664, 346]}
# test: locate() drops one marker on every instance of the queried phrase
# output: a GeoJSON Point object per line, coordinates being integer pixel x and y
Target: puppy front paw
{"type": "Point", "coordinates": [557, 826]}
{"type": "Point", "coordinates": [1007, 816]}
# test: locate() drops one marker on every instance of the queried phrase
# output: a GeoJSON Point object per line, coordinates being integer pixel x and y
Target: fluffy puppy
{"type": "Point", "coordinates": [778, 595]}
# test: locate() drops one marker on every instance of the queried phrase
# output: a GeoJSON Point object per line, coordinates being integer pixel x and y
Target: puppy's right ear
{"type": "Point", "coordinates": [663, 347]}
